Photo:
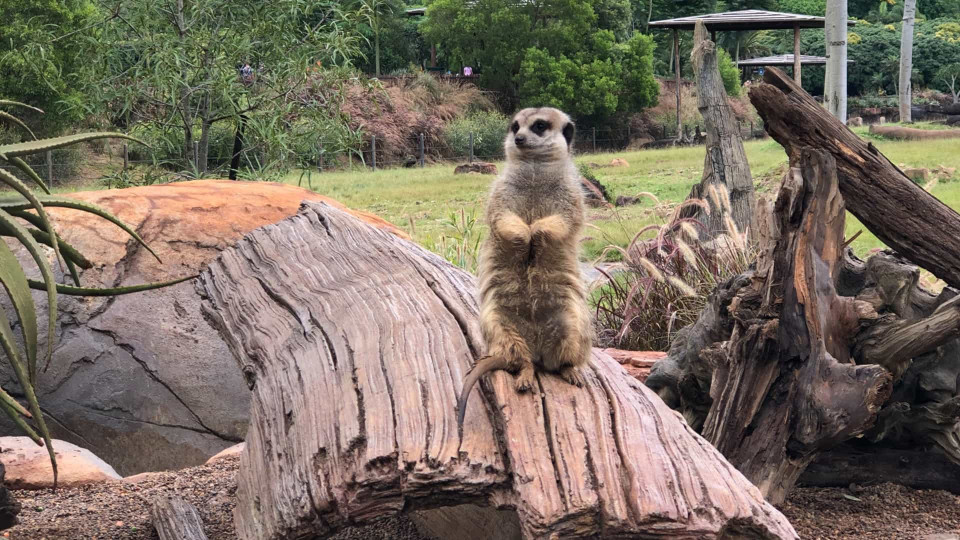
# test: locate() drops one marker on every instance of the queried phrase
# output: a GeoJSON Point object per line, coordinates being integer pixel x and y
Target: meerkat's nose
{"type": "Point", "coordinates": [519, 140]}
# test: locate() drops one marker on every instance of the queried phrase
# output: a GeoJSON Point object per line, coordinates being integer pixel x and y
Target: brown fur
{"type": "Point", "coordinates": [533, 306]}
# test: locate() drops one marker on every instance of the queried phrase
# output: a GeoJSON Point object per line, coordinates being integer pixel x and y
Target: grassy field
{"type": "Point", "coordinates": [422, 201]}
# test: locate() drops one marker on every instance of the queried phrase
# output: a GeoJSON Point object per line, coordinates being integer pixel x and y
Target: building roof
{"type": "Point", "coordinates": [416, 12]}
{"type": "Point", "coordinates": [748, 19]}
{"type": "Point", "coordinates": [783, 60]}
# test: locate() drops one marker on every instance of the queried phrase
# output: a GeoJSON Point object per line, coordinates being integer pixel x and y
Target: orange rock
{"type": "Point", "coordinates": [619, 162]}
{"type": "Point", "coordinates": [637, 363]}
{"type": "Point", "coordinates": [28, 465]}
{"type": "Point", "coordinates": [227, 452]}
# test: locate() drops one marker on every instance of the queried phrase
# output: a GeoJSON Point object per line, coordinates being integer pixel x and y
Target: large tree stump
{"type": "Point", "coordinates": [357, 343]}
{"type": "Point", "coordinates": [725, 165]}
{"type": "Point", "coordinates": [900, 213]}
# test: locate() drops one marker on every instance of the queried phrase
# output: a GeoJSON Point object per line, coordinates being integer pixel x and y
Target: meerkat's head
{"type": "Point", "coordinates": [539, 134]}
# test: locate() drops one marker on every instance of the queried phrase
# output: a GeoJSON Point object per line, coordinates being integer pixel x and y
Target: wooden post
{"type": "Point", "coordinates": [373, 151]}
{"type": "Point", "coordinates": [676, 59]}
{"type": "Point", "coordinates": [471, 147]}
{"type": "Point", "coordinates": [126, 157]}
{"type": "Point", "coordinates": [196, 156]}
{"type": "Point", "coordinates": [796, 53]}
{"type": "Point", "coordinates": [594, 140]}
{"type": "Point", "coordinates": [422, 160]}
{"type": "Point", "coordinates": [49, 168]}
{"type": "Point", "coordinates": [433, 56]}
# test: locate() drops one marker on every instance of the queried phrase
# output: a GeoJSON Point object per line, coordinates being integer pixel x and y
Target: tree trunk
{"type": "Point", "coordinates": [899, 212]}
{"type": "Point", "coordinates": [376, 47]}
{"type": "Point", "coordinates": [725, 165]}
{"type": "Point", "coordinates": [204, 146]}
{"type": "Point", "coordinates": [237, 147]}
{"type": "Point", "coordinates": [357, 343]}
{"type": "Point", "coordinates": [835, 87]}
{"type": "Point", "coordinates": [176, 519]}
{"type": "Point", "coordinates": [906, 60]}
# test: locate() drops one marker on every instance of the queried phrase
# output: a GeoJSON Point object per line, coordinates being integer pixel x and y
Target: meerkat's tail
{"type": "Point", "coordinates": [483, 366]}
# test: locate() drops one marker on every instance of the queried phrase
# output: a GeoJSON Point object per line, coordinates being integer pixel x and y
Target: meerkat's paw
{"type": "Point", "coordinates": [572, 375]}
{"type": "Point", "coordinates": [513, 229]}
{"type": "Point", "coordinates": [552, 227]}
{"type": "Point", "coordinates": [525, 379]}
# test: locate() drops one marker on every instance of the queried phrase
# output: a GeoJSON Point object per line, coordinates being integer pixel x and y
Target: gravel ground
{"type": "Point", "coordinates": [120, 510]}
{"type": "Point", "coordinates": [883, 511]}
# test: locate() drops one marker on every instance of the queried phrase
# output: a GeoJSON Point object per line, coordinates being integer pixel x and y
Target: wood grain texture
{"type": "Point", "coordinates": [358, 342]}
{"type": "Point", "coordinates": [899, 212]}
{"type": "Point", "coordinates": [176, 519]}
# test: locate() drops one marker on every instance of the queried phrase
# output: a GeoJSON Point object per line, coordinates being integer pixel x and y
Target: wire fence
{"type": "Point", "coordinates": [110, 166]}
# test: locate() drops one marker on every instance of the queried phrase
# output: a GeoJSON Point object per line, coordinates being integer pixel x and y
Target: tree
{"type": "Point", "coordinates": [176, 64]}
{"type": "Point", "coordinates": [729, 73]}
{"type": "Point", "coordinates": [949, 75]}
{"type": "Point", "coordinates": [906, 60]}
{"type": "Point", "coordinates": [835, 84]}
{"type": "Point", "coordinates": [38, 72]}
{"type": "Point", "coordinates": [378, 14]}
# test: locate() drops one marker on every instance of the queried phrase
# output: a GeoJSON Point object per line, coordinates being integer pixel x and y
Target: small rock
{"type": "Point", "coordinates": [882, 120]}
{"type": "Point", "coordinates": [227, 452]}
{"type": "Point", "coordinates": [142, 477]}
{"type": "Point", "coordinates": [941, 536]}
{"type": "Point", "coordinates": [480, 167]}
{"type": "Point", "coordinates": [917, 174]}
{"type": "Point", "coordinates": [856, 121]}
{"type": "Point", "coordinates": [619, 162]}
{"type": "Point", "coordinates": [28, 465]}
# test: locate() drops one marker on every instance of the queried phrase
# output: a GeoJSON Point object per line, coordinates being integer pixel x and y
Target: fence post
{"type": "Point", "coordinates": [373, 146]}
{"type": "Point", "coordinates": [126, 157]}
{"type": "Point", "coordinates": [196, 156]}
{"type": "Point", "coordinates": [629, 137]}
{"type": "Point", "coordinates": [49, 167]}
{"type": "Point", "coordinates": [751, 129]}
{"type": "Point", "coordinates": [594, 140]}
{"type": "Point", "coordinates": [471, 147]}
{"type": "Point", "coordinates": [422, 160]}
{"type": "Point", "coordinates": [663, 131]}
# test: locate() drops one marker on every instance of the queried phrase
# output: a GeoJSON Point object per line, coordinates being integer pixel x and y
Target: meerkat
{"type": "Point", "coordinates": [533, 301]}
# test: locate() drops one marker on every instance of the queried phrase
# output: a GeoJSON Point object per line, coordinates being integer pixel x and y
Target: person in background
{"type": "Point", "coordinates": [467, 71]}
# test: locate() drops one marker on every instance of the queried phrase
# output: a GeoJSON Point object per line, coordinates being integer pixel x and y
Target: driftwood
{"type": "Point", "coordinates": [725, 164]}
{"type": "Point", "coordinates": [357, 342]}
{"type": "Point", "coordinates": [176, 519]}
{"type": "Point", "coordinates": [900, 213]}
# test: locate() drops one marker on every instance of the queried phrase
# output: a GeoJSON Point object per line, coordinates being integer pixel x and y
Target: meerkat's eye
{"type": "Point", "coordinates": [515, 127]}
{"type": "Point", "coordinates": [540, 126]}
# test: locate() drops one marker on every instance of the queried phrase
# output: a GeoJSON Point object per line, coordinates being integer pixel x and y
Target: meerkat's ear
{"type": "Point", "coordinates": [568, 132]}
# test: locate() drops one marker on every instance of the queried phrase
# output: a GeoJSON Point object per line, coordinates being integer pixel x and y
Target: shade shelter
{"type": "Point", "coordinates": [781, 60]}
{"type": "Point", "coordinates": [745, 20]}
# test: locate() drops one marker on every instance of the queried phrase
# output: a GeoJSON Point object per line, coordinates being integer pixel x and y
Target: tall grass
{"type": "Point", "coordinates": [665, 277]}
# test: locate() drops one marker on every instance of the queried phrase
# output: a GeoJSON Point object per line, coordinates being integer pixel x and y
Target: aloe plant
{"type": "Point", "coordinates": [24, 218]}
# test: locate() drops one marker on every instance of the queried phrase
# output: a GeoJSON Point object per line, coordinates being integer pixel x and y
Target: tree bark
{"type": "Point", "coordinates": [725, 165]}
{"type": "Point", "coordinates": [835, 87]}
{"type": "Point", "coordinates": [906, 60]}
{"type": "Point", "coordinates": [237, 147]}
{"type": "Point", "coordinates": [357, 343]}
{"type": "Point", "coordinates": [899, 212]}
{"type": "Point", "coordinates": [176, 519]}
{"type": "Point", "coordinates": [852, 463]}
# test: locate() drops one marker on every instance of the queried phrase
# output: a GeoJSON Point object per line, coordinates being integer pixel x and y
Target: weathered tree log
{"type": "Point", "coordinates": [358, 342]}
{"type": "Point", "coordinates": [899, 212]}
{"type": "Point", "coordinates": [725, 164]}
{"type": "Point", "coordinates": [176, 519]}
{"type": "Point", "coordinates": [866, 464]}
{"type": "Point", "coordinates": [913, 134]}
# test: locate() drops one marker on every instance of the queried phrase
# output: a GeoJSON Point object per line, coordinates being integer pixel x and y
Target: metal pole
{"type": "Point", "coordinates": [373, 146]}
{"type": "Point", "coordinates": [422, 160]}
{"type": "Point", "coordinates": [126, 157]}
{"type": "Point", "coordinates": [471, 147]}
{"type": "Point", "coordinates": [49, 168]}
{"type": "Point", "coordinates": [676, 59]}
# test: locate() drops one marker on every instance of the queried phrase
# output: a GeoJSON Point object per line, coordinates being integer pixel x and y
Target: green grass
{"type": "Point", "coordinates": [428, 197]}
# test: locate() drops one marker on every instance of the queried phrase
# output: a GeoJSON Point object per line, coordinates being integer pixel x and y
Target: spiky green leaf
{"type": "Point", "coordinates": [27, 170]}
{"type": "Point", "coordinates": [42, 145]}
{"type": "Point", "coordinates": [14, 280]}
{"type": "Point", "coordinates": [8, 203]}
{"type": "Point", "coordinates": [11, 103]}
{"type": "Point", "coordinates": [10, 274]}
{"type": "Point", "coordinates": [13, 119]}
{"type": "Point", "coordinates": [114, 291]}
{"type": "Point", "coordinates": [22, 188]}
{"type": "Point", "coordinates": [7, 221]}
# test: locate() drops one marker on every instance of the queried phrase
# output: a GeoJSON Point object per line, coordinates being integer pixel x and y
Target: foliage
{"type": "Point", "coordinates": [43, 73]}
{"type": "Point", "coordinates": [21, 203]}
{"type": "Point", "coordinates": [663, 282]}
{"type": "Point", "coordinates": [460, 242]}
{"type": "Point", "coordinates": [729, 73]}
{"type": "Point", "coordinates": [378, 15]}
{"type": "Point", "coordinates": [177, 65]}
{"type": "Point", "coordinates": [804, 7]}
{"type": "Point", "coordinates": [488, 128]}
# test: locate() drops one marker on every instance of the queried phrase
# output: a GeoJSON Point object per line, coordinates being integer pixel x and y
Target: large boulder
{"type": "Point", "coordinates": [28, 465]}
{"type": "Point", "coordinates": [143, 380]}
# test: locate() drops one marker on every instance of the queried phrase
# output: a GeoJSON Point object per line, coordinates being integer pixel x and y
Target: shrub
{"type": "Point", "coordinates": [663, 282]}
{"type": "Point", "coordinates": [729, 73]}
{"type": "Point", "coordinates": [488, 128]}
